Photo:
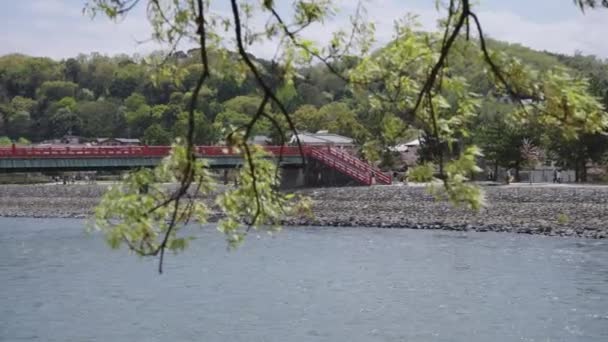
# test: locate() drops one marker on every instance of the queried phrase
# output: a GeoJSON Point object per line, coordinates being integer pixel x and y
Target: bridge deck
{"type": "Point", "coordinates": [54, 158]}
{"type": "Point", "coordinates": [54, 151]}
{"type": "Point", "coordinates": [76, 158]}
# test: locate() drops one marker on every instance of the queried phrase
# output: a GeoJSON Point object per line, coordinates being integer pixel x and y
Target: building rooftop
{"type": "Point", "coordinates": [122, 140]}
{"type": "Point", "coordinates": [322, 137]}
{"type": "Point", "coordinates": [260, 140]}
{"type": "Point", "coordinates": [404, 147]}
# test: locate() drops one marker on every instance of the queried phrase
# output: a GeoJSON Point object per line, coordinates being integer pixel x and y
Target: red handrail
{"type": "Point", "coordinates": [350, 165]}
{"type": "Point", "coordinates": [380, 176]}
{"type": "Point", "coordinates": [126, 151]}
{"type": "Point", "coordinates": [334, 158]}
{"type": "Point", "coordinates": [340, 165]}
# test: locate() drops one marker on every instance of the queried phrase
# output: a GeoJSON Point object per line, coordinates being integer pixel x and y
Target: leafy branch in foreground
{"type": "Point", "coordinates": [583, 4]}
{"type": "Point", "coordinates": [142, 213]}
{"type": "Point", "coordinates": [409, 83]}
{"type": "Point", "coordinates": [148, 220]}
{"type": "Point", "coordinates": [418, 86]}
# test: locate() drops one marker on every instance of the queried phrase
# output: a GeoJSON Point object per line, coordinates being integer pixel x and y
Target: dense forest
{"type": "Point", "coordinates": [122, 96]}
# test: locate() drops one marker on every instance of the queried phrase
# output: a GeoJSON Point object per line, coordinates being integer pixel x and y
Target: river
{"type": "Point", "coordinates": [304, 284]}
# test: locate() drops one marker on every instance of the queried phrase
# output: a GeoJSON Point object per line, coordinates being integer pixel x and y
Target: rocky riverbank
{"type": "Point", "coordinates": [550, 210]}
{"type": "Point", "coordinates": [547, 210]}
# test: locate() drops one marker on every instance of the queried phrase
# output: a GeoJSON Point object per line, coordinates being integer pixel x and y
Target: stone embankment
{"type": "Point", "coordinates": [558, 211]}
{"type": "Point", "coordinates": [548, 210]}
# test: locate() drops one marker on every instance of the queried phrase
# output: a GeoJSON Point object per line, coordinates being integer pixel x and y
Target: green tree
{"type": "Point", "coordinates": [338, 118]}
{"type": "Point", "coordinates": [156, 135]}
{"type": "Point", "coordinates": [247, 105]}
{"type": "Point", "coordinates": [138, 114]}
{"type": "Point", "coordinates": [230, 119]}
{"type": "Point", "coordinates": [125, 81]}
{"type": "Point", "coordinates": [56, 90]}
{"type": "Point", "coordinates": [19, 124]}
{"type": "Point", "coordinates": [310, 94]}
{"type": "Point", "coordinates": [17, 117]}
{"type": "Point", "coordinates": [67, 102]}
{"type": "Point", "coordinates": [5, 141]}
{"type": "Point", "coordinates": [134, 101]}
{"type": "Point", "coordinates": [22, 75]}
{"type": "Point", "coordinates": [20, 103]}
{"type": "Point", "coordinates": [97, 73]}
{"type": "Point", "coordinates": [592, 68]}
{"type": "Point", "coordinates": [205, 132]}
{"type": "Point", "coordinates": [23, 141]}
{"type": "Point", "coordinates": [99, 118]}
{"type": "Point", "coordinates": [64, 121]}
{"type": "Point", "coordinates": [576, 154]}
{"type": "Point", "coordinates": [72, 70]}
{"type": "Point", "coordinates": [307, 118]}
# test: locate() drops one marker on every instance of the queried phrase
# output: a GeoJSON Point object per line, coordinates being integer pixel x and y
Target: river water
{"type": "Point", "coordinates": [305, 284]}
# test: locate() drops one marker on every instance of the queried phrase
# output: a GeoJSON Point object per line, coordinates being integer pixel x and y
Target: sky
{"type": "Point", "coordinates": [58, 28]}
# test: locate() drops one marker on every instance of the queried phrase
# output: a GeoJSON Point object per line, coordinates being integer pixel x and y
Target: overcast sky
{"type": "Point", "coordinates": [58, 29]}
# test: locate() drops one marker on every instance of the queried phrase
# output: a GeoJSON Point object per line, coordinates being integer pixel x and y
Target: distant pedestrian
{"type": "Point", "coordinates": [559, 176]}
{"type": "Point", "coordinates": [508, 176]}
{"type": "Point", "coordinates": [554, 175]}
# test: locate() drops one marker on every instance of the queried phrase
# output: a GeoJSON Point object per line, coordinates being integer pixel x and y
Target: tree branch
{"type": "Point", "coordinates": [445, 50]}
{"type": "Point", "coordinates": [267, 91]}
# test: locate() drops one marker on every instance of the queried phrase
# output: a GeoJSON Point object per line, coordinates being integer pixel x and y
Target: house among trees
{"type": "Point", "coordinates": [117, 141]}
{"type": "Point", "coordinates": [67, 139]}
{"type": "Point", "coordinates": [262, 140]}
{"type": "Point", "coordinates": [323, 138]}
{"type": "Point", "coordinates": [408, 151]}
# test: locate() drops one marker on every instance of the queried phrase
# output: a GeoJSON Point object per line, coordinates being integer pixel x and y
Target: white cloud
{"type": "Point", "coordinates": [383, 13]}
{"type": "Point", "coordinates": [584, 33]}
{"type": "Point", "coordinates": [57, 28]}
{"type": "Point", "coordinates": [55, 8]}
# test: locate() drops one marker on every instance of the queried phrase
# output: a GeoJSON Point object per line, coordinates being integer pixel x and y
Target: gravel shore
{"type": "Point", "coordinates": [580, 211]}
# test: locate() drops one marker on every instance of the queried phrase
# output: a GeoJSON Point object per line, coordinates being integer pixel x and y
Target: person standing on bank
{"type": "Point", "coordinates": [554, 175]}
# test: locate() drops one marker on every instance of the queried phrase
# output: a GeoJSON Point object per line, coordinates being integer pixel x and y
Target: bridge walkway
{"type": "Point", "coordinates": [80, 158]}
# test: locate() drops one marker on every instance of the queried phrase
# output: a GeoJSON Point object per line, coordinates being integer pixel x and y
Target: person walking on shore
{"type": "Point", "coordinates": [554, 175]}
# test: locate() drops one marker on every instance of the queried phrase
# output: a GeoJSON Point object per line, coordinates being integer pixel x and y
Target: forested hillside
{"type": "Point", "coordinates": [123, 96]}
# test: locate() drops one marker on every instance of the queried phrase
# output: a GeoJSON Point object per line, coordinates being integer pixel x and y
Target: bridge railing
{"type": "Point", "coordinates": [227, 150]}
{"type": "Point", "coordinates": [54, 151]}
{"type": "Point", "coordinates": [341, 165]}
{"type": "Point", "coordinates": [336, 159]}
{"type": "Point", "coordinates": [82, 151]}
{"type": "Point", "coordinates": [356, 162]}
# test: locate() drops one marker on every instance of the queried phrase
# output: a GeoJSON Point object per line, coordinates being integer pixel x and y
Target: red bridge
{"type": "Point", "coordinates": [74, 158]}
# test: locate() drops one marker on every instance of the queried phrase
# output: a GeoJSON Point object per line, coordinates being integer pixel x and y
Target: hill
{"type": "Point", "coordinates": [120, 96]}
